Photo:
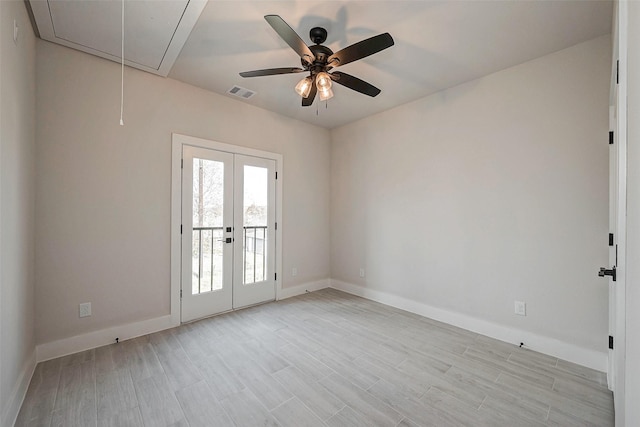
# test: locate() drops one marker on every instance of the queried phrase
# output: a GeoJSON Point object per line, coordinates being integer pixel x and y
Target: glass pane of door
{"type": "Point", "coordinates": [255, 210]}
{"type": "Point", "coordinates": [207, 241]}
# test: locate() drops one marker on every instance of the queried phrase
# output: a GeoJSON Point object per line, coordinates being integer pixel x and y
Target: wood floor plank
{"type": "Point", "coordinates": [348, 417]}
{"type": "Point", "coordinates": [305, 362]}
{"type": "Point", "coordinates": [372, 408]}
{"type": "Point", "coordinates": [220, 378]}
{"type": "Point", "coordinates": [77, 386]}
{"type": "Point", "coordinates": [263, 385]}
{"type": "Point", "coordinates": [408, 405]}
{"type": "Point", "coordinates": [293, 413]}
{"type": "Point", "coordinates": [143, 362]}
{"type": "Point", "coordinates": [115, 393]}
{"type": "Point", "coordinates": [245, 410]}
{"type": "Point", "coordinates": [165, 341]}
{"type": "Point", "coordinates": [158, 404]}
{"type": "Point", "coordinates": [417, 385]}
{"type": "Point", "coordinates": [583, 372]}
{"type": "Point", "coordinates": [265, 356]}
{"type": "Point", "coordinates": [129, 418]}
{"type": "Point", "coordinates": [179, 369]}
{"type": "Point", "coordinates": [323, 403]}
{"type": "Point", "coordinates": [200, 408]}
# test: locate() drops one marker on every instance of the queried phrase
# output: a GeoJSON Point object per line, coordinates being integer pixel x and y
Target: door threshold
{"type": "Point", "coordinates": [227, 312]}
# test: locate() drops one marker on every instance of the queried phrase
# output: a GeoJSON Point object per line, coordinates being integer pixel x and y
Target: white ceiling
{"type": "Point", "coordinates": [154, 31]}
{"type": "Point", "coordinates": [438, 44]}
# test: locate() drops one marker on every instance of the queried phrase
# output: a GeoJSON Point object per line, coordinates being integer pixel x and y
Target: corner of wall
{"type": "Point", "coordinates": [14, 402]}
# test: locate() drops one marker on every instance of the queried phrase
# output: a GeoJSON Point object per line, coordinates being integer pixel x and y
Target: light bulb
{"type": "Point", "coordinates": [323, 81]}
{"type": "Point", "coordinates": [325, 94]}
{"type": "Point", "coordinates": [304, 87]}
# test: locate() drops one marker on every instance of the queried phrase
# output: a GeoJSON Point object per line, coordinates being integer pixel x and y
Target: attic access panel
{"type": "Point", "coordinates": [155, 31]}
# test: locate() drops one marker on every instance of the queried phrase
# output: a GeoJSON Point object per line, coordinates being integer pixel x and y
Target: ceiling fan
{"type": "Point", "coordinates": [318, 60]}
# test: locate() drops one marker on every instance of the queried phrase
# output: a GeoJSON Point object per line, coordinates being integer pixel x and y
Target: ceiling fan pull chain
{"type": "Point", "coordinates": [122, 72]}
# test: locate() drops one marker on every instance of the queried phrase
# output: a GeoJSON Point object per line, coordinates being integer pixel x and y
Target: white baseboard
{"type": "Point", "coordinates": [547, 345]}
{"type": "Point", "coordinates": [305, 287]}
{"type": "Point", "coordinates": [94, 339]}
{"type": "Point", "coordinates": [90, 340]}
{"type": "Point", "coordinates": [11, 411]}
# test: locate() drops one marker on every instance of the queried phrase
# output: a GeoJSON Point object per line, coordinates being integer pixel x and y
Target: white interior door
{"type": "Point", "coordinates": [207, 232]}
{"type": "Point", "coordinates": [254, 219]}
{"type": "Point", "coordinates": [228, 231]}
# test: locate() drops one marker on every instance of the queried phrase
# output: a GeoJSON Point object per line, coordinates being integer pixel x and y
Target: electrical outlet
{"type": "Point", "coordinates": [362, 272]}
{"type": "Point", "coordinates": [520, 308]}
{"type": "Point", "coordinates": [85, 309]}
{"type": "Point", "coordinates": [294, 271]}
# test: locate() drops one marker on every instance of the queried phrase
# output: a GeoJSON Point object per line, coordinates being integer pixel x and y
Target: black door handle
{"type": "Point", "coordinates": [606, 272]}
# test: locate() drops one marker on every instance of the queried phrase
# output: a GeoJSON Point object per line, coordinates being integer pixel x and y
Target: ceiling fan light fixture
{"type": "Point", "coordinates": [323, 81]}
{"type": "Point", "coordinates": [303, 88]}
{"type": "Point", "coordinates": [325, 94]}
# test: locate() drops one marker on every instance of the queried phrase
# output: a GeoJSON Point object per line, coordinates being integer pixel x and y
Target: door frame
{"type": "Point", "coordinates": [177, 142]}
{"type": "Point", "coordinates": [617, 363]}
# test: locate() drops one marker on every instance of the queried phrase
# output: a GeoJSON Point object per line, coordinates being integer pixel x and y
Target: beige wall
{"type": "Point", "coordinates": [103, 191]}
{"type": "Point", "coordinates": [17, 197]}
{"type": "Point", "coordinates": [486, 193]}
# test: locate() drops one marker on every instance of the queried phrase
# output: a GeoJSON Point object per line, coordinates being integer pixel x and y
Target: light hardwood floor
{"type": "Point", "coordinates": [321, 359]}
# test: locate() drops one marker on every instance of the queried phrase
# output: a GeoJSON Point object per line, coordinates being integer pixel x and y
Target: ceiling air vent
{"type": "Point", "coordinates": [241, 92]}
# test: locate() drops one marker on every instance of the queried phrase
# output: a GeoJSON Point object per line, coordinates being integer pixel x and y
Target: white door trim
{"type": "Point", "coordinates": [177, 141]}
{"type": "Point", "coordinates": [618, 365]}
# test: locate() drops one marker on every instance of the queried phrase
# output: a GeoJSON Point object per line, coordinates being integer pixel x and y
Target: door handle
{"type": "Point", "coordinates": [227, 240]}
{"type": "Point", "coordinates": [606, 272]}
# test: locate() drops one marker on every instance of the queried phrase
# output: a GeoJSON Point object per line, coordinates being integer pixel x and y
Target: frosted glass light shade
{"type": "Point", "coordinates": [304, 87]}
{"type": "Point", "coordinates": [323, 81]}
{"type": "Point", "coordinates": [325, 94]}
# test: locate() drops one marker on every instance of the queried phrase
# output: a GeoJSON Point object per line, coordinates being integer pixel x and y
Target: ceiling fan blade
{"type": "Point", "coordinates": [291, 37]}
{"type": "Point", "coordinates": [306, 102]}
{"type": "Point", "coordinates": [271, 72]}
{"type": "Point", "coordinates": [354, 83]}
{"type": "Point", "coordinates": [361, 50]}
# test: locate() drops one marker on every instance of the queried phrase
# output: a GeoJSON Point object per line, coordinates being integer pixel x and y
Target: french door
{"type": "Point", "coordinates": [228, 231]}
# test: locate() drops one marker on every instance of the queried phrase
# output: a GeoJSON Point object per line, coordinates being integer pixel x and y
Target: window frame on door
{"type": "Point", "coordinates": [177, 142]}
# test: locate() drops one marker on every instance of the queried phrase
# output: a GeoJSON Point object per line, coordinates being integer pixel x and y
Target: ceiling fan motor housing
{"type": "Point", "coordinates": [318, 35]}
{"type": "Point", "coordinates": [322, 54]}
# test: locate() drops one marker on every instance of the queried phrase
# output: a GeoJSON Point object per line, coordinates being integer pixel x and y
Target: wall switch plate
{"type": "Point", "coordinates": [85, 309]}
{"type": "Point", "coordinates": [294, 271]}
{"type": "Point", "coordinates": [520, 308]}
{"type": "Point", "coordinates": [362, 272]}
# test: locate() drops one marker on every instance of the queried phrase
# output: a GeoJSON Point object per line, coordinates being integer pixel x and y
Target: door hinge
{"type": "Point", "coordinates": [610, 137]}
{"type": "Point", "coordinates": [610, 342]}
{"type": "Point", "coordinates": [276, 175]}
{"type": "Point", "coordinates": [275, 276]}
{"type": "Point", "coordinates": [181, 163]}
{"type": "Point", "coordinates": [181, 293]}
{"type": "Point", "coordinates": [610, 239]}
{"type": "Point", "coordinates": [276, 225]}
{"type": "Point", "coordinates": [180, 228]}
{"type": "Point", "coordinates": [617, 71]}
